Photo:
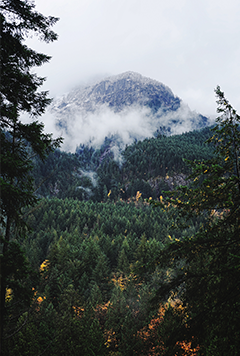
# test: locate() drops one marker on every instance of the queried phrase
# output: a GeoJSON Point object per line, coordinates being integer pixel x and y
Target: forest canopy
{"type": "Point", "coordinates": [102, 255]}
{"type": "Point", "coordinates": [206, 264]}
{"type": "Point", "coordinates": [127, 275]}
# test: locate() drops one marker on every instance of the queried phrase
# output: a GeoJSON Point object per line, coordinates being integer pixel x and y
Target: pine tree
{"type": "Point", "coordinates": [19, 142]}
{"type": "Point", "coordinates": [206, 265]}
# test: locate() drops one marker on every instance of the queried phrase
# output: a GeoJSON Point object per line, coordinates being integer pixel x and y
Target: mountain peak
{"type": "Point", "coordinates": [126, 75]}
{"type": "Point", "coordinates": [120, 91]}
{"type": "Point", "coordinates": [127, 104]}
{"type": "Point", "coordinates": [130, 75]}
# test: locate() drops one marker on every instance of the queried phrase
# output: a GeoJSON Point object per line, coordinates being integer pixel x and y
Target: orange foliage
{"type": "Point", "coordinates": [38, 299]}
{"type": "Point", "coordinates": [120, 281]}
{"type": "Point", "coordinates": [189, 351]}
{"type": "Point", "coordinates": [150, 336]}
{"type": "Point", "coordinates": [78, 311]}
{"type": "Point", "coordinates": [111, 339]}
{"type": "Point", "coordinates": [101, 314]}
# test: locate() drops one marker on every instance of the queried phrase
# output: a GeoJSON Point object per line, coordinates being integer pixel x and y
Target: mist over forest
{"type": "Point", "coordinates": [128, 106]}
{"type": "Point", "coordinates": [120, 204]}
{"type": "Point", "coordinates": [125, 208]}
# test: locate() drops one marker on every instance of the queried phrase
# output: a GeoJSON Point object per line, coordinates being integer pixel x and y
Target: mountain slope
{"type": "Point", "coordinates": [120, 91]}
{"type": "Point", "coordinates": [149, 166]}
{"type": "Point", "coordinates": [128, 105]}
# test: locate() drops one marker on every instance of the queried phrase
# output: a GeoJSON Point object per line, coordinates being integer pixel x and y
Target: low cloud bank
{"type": "Point", "coordinates": [134, 123]}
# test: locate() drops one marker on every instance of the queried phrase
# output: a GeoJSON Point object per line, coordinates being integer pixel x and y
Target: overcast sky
{"type": "Point", "coordinates": [189, 45]}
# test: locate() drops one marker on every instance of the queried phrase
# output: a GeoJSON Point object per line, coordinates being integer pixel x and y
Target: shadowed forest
{"type": "Point", "coordinates": [113, 251]}
{"type": "Point", "coordinates": [92, 247]}
{"type": "Point", "coordinates": [94, 256]}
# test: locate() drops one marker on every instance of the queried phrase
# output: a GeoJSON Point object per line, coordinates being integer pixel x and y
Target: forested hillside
{"type": "Point", "coordinates": [93, 238]}
{"type": "Point", "coordinates": [144, 166]}
{"type": "Point", "coordinates": [90, 255]}
{"type": "Point", "coordinates": [114, 250]}
{"type": "Point", "coordinates": [97, 250]}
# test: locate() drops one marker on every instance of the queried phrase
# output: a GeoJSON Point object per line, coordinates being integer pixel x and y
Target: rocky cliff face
{"type": "Point", "coordinates": [126, 105]}
{"type": "Point", "coordinates": [118, 92]}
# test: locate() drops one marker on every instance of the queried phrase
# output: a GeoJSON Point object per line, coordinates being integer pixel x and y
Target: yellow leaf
{"type": "Point", "coordinates": [138, 195]}
{"type": "Point", "coordinates": [8, 296]}
{"type": "Point", "coordinates": [44, 265]}
{"type": "Point", "coordinates": [40, 299]}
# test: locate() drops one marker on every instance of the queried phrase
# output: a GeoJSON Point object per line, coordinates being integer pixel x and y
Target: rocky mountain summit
{"type": "Point", "coordinates": [119, 91]}
{"type": "Point", "coordinates": [128, 105]}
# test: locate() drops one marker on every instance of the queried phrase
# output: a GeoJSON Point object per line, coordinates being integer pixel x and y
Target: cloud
{"type": "Point", "coordinates": [181, 120]}
{"type": "Point", "coordinates": [132, 123]}
{"type": "Point", "coordinates": [190, 46]}
{"type": "Point", "coordinates": [82, 128]}
{"type": "Point", "coordinates": [91, 175]}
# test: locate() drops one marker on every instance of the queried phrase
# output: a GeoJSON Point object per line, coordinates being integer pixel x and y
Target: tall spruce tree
{"type": "Point", "coordinates": [206, 266]}
{"type": "Point", "coordinates": [19, 141]}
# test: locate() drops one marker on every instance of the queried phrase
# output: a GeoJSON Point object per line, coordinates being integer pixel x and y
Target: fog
{"type": "Point", "coordinates": [134, 123]}
{"type": "Point", "coordinates": [190, 46]}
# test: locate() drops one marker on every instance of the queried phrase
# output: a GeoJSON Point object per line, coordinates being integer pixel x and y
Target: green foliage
{"type": "Point", "coordinates": [207, 263]}
{"type": "Point", "coordinates": [96, 232]}
{"type": "Point", "coordinates": [158, 156]}
{"type": "Point", "coordinates": [18, 85]}
{"type": "Point", "coordinates": [93, 251]}
{"type": "Point", "coordinates": [144, 166]}
{"type": "Point", "coordinates": [19, 93]}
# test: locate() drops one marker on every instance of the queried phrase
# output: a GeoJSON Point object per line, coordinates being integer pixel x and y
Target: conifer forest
{"type": "Point", "coordinates": [134, 255]}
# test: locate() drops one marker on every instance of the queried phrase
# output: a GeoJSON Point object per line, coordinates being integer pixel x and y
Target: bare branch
{"type": "Point", "coordinates": [16, 331]}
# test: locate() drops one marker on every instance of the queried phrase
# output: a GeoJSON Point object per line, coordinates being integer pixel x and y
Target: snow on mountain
{"type": "Point", "coordinates": [129, 106]}
{"type": "Point", "coordinates": [117, 92]}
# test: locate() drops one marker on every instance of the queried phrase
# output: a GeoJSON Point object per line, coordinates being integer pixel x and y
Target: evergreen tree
{"type": "Point", "coordinates": [206, 265]}
{"type": "Point", "coordinates": [19, 93]}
